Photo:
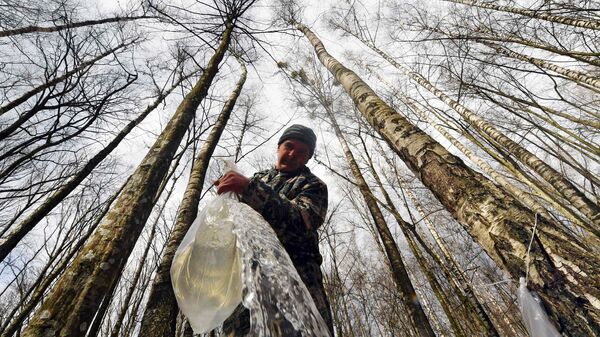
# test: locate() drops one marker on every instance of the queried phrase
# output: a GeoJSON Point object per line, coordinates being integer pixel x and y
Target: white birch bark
{"type": "Point", "coordinates": [578, 199]}
{"type": "Point", "coordinates": [493, 218]}
{"type": "Point", "coordinates": [532, 14]}
{"type": "Point", "coordinates": [575, 76]}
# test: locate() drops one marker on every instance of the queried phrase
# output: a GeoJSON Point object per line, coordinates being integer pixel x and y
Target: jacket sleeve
{"type": "Point", "coordinates": [300, 217]}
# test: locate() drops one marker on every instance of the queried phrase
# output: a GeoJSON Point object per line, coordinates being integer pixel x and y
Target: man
{"type": "Point", "coordinates": [294, 203]}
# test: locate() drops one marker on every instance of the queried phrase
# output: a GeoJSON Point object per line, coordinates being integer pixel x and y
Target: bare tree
{"type": "Point", "coordinates": [406, 291]}
{"type": "Point", "coordinates": [77, 295]}
{"type": "Point", "coordinates": [161, 310]}
{"type": "Point", "coordinates": [10, 241]}
{"type": "Point", "coordinates": [71, 25]}
{"type": "Point", "coordinates": [536, 14]}
{"type": "Point", "coordinates": [451, 181]}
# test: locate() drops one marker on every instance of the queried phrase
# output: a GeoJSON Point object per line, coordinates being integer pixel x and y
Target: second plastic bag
{"type": "Point", "coordinates": [535, 318]}
{"type": "Point", "coordinates": [206, 269]}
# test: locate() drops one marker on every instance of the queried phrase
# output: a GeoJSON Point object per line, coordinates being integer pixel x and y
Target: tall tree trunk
{"type": "Point", "coordinates": [10, 241]}
{"type": "Point", "coordinates": [160, 315]}
{"type": "Point", "coordinates": [37, 29]}
{"type": "Point", "coordinates": [587, 207]}
{"type": "Point", "coordinates": [403, 283]}
{"type": "Point", "coordinates": [471, 303]}
{"type": "Point", "coordinates": [542, 190]}
{"type": "Point", "coordinates": [532, 14]}
{"type": "Point", "coordinates": [116, 327]}
{"type": "Point", "coordinates": [9, 328]}
{"type": "Point", "coordinates": [96, 324]}
{"type": "Point", "coordinates": [142, 265]}
{"type": "Point", "coordinates": [450, 267]}
{"type": "Point", "coordinates": [561, 271]}
{"type": "Point", "coordinates": [510, 188]}
{"type": "Point", "coordinates": [71, 305]}
{"type": "Point", "coordinates": [590, 82]}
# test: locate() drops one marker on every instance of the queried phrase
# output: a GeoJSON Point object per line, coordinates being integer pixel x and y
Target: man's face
{"type": "Point", "coordinates": [291, 155]}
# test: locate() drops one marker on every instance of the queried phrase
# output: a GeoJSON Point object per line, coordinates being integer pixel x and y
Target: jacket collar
{"type": "Point", "coordinates": [302, 170]}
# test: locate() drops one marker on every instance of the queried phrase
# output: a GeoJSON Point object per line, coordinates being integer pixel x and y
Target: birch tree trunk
{"type": "Point", "coordinates": [510, 188]}
{"type": "Point", "coordinates": [116, 327]}
{"type": "Point", "coordinates": [587, 207]}
{"type": "Point", "coordinates": [10, 327]}
{"type": "Point", "coordinates": [72, 303]}
{"type": "Point", "coordinates": [542, 190]}
{"type": "Point", "coordinates": [474, 309]}
{"type": "Point", "coordinates": [561, 271]}
{"type": "Point", "coordinates": [591, 82]}
{"type": "Point", "coordinates": [532, 14]}
{"type": "Point", "coordinates": [96, 324]}
{"type": "Point", "coordinates": [403, 283]}
{"type": "Point", "coordinates": [160, 315]}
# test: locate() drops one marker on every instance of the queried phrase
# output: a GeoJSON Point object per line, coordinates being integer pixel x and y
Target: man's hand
{"type": "Point", "coordinates": [232, 181]}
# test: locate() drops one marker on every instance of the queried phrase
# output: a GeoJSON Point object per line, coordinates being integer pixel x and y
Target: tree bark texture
{"type": "Point", "coordinates": [96, 324]}
{"type": "Point", "coordinates": [126, 302]}
{"type": "Point", "coordinates": [571, 193]}
{"type": "Point", "coordinates": [473, 308]}
{"type": "Point", "coordinates": [160, 315]}
{"type": "Point", "coordinates": [10, 327]}
{"type": "Point", "coordinates": [510, 188]}
{"type": "Point", "coordinates": [69, 308]}
{"type": "Point", "coordinates": [562, 272]}
{"type": "Point", "coordinates": [541, 190]}
{"type": "Point", "coordinates": [490, 171]}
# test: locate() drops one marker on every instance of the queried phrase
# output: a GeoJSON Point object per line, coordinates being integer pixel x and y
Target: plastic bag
{"type": "Point", "coordinates": [206, 269]}
{"type": "Point", "coordinates": [535, 318]}
{"type": "Point", "coordinates": [279, 302]}
{"type": "Point", "coordinates": [209, 273]}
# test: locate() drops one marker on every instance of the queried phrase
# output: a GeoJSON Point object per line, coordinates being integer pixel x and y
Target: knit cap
{"type": "Point", "coordinates": [301, 133]}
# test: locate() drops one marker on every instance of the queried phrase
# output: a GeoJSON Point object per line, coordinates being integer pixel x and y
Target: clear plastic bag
{"type": "Point", "coordinates": [274, 291]}
{"type": "Point", "coordinates": [230, 249]}
{"type": "Point", "coordinates": [535, 318]}
{"type": "Point", "coordinates": [206, 269]}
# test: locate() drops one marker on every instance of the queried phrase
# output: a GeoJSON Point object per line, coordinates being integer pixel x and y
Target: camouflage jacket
{"type": "Point", "coordinates": [294, 204]}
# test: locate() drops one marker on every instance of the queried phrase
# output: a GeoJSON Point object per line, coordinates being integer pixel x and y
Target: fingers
{"type": "Point", "coordinates": [231, 182]}
{"type": "Point", "coordinates": [226, 183]}
{"type": "Point", "coordinates": [221, 179]}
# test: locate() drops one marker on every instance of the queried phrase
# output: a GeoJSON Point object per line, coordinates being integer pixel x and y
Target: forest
{"type": "Point", "coordinates": [459, 140]}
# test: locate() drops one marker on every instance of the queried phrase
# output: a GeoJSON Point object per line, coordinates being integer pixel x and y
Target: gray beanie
{"type": "Point", "coordinates": [301, 133]}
